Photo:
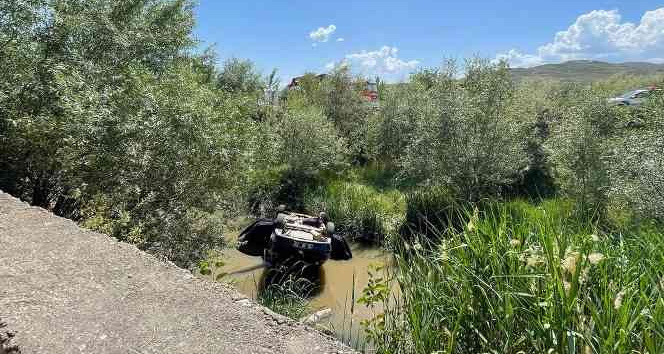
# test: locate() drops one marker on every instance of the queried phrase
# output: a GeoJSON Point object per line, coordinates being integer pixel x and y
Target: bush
{"type": "Point", "coordinates": [468, 136]}
{"type": "Point", "coordinates": [579, 145]}
{"type": "Point", "coordinates": [124, 124]}
{"type": "Point", "coordinates": [338, 96]}
{"type": "Point", "coordinates": [281, 185]}
{"type": "Point", "coordinates": [636, 162]}
{"type": "Point", "coordinates": [306, 147]}
{"type": "Point", "coordinates": [308, 142]}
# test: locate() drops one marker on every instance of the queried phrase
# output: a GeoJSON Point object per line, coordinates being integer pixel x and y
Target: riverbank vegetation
{"type": "Point", "coordinates": [525, 216]}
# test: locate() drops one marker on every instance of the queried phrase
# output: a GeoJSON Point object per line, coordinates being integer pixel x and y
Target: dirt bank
{"type": "Point", "coordinates": [68, 290]}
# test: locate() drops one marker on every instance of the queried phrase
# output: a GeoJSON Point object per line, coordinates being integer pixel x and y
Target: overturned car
{"type": "Point", "coordinates": [293, 235]}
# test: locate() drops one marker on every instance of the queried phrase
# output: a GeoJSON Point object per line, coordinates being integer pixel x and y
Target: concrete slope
{"type": "Point", "coordinates": [67, 290]}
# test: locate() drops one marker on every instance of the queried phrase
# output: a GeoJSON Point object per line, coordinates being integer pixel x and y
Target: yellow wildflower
{"type": "Point", "coordinates": [617, 303]}
{"type": "Point", "coordinates": [595, 258]}
{"type": "Point", "coordinates": [569, 263]}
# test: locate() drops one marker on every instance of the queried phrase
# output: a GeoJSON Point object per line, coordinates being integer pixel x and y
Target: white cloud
{"type": "Point", "coordinates": [341, 39]}
{"type": "Point", "coordinates": [384, 62]}
{"type": "Point", "coordinates": [600, 35]}
{"type": "Point", "coordinates": [322, 34]}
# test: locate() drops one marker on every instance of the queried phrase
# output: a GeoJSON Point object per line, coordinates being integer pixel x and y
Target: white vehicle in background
{"type": "Point", "coordinates": [634, 98]}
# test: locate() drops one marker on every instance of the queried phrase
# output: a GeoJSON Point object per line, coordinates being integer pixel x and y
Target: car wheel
{"type": "Point", "coordinates": [280, 221]}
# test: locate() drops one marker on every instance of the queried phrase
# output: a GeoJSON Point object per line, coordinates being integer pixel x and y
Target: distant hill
{"type": "Point", "coordinates": [586, 71]}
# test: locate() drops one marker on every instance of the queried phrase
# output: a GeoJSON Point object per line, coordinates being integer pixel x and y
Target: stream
{"type": "Point", "coordinates": [340, 282]}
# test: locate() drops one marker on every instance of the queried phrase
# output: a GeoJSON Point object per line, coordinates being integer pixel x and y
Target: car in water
{"type": "Point", "coordinates": [293, 235]}
{"type": "Point", "coordinates": [634, 98]}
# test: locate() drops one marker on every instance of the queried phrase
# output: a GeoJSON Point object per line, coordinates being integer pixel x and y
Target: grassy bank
{"type": "Point", "coordinates": [527, 278]}
{"type": "Point", "coordinates": [360, 211]}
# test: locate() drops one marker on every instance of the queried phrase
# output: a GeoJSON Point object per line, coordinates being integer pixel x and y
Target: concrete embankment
{"type": "Point", "coordinates": [67, 290]}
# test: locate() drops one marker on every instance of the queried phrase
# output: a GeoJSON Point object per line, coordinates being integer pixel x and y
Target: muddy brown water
{"type": "Point", "coordinates": [340, 283]}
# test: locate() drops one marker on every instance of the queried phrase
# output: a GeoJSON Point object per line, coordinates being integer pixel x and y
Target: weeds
{"type": "Point", "coordinates": [289, 298]}
{"type": "Point", "coordinates": [524, 278]}
{"type": "Point", "coordinates": [359, 211]}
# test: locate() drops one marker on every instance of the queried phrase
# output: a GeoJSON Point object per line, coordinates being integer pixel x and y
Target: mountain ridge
{"type": "Point", "coordinates": [586, 70]}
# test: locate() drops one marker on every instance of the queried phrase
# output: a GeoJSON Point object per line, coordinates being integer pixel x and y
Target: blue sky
{"type": "Point", "coordinates": [393, 38]}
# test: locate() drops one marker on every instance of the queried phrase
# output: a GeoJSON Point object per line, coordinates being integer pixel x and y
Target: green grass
{"type": "Point", "coordinates": [285, 299]}
{"type": "Point", "coordinates": [358, 210]}
{"type": "Point", "coordinates": [429, 211]}
{"type": "Point", "coordinates": [524, 278]}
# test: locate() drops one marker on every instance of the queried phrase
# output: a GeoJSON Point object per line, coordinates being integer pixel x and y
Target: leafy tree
{"type": "Point", "coordinates": [309, 142]}
{"type": "Point", "coordinates": [467, 135]}
{"type": "Point", "coordinates": [636, 162]}
{"type": "Point", "coordinates": [578, 147]}
{"type": "Point", "coordinates": [107, 118]}
{"type": "Point", "coordinates": [240, 77]}
{"type": "Point", "coordinates": [345, 107]}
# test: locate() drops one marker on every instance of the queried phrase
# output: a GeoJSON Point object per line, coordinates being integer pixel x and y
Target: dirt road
{"type": "Point", "coordinates": [68, 290]}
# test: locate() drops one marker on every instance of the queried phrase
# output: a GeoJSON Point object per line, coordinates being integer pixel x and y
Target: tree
{"type": "Point", "coordinates": [240, 77]}
{"type": "Point", "coordinates": [467, 135]}
{"type": "Point", "coordinates": [579, 148]}
{"type": "Point", "coordinates": [636, 163]}
{"type": "Point", "coordinates": [107, 118]}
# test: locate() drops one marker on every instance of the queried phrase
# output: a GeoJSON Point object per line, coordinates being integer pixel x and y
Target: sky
{"type": "Point", "coordinates": [394, 38]}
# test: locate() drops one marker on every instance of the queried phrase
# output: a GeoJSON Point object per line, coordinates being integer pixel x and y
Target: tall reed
{"type": "Point", "coordinates": [521, 278]}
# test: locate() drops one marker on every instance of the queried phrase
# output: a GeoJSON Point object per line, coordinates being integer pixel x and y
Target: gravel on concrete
{"type": "Point", "coordinates": [67, 290]}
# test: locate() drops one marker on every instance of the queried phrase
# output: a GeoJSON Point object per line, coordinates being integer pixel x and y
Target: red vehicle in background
{"type": "Point", "coordinates": [371, 92]}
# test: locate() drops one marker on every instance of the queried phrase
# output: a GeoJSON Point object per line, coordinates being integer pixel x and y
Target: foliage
{"type": "Point", "coordinates": [239, 76]}
{"type": "Point", "coordinates": [578, 147]}
{"type": "Point", "coordinates": [107, 119]}
{"type": "Point", "coordinates": [528, 278]}
{"type": "Point", "coordinates": [468, 136]}
{"type": "Point", "coordinates": [359, 211]}
{"type": "Point", "coordinates": [284, 301]}
{"type": "Point", "coordinates": [287, 291]}
{"type": "Point", "coordinates": [401, 108]}
{"type": "Point", "coordinates": [430, 211]}
{"type": "Point", "coordinates": [209, 267]}
{"type": "Point", "coordinates": [376, 292]}
{"type": "Point", "coordinates": [307, 141]}
{"type": "Point", "coordinates": [338, 97]}
{"type": "Point", "coordinates": [302, 146]}
{"type": "Point", "coordinates": [636, 165]}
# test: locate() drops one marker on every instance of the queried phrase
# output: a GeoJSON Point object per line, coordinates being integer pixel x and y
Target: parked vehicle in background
{"type": "Point", "coordinates": [371, 92]}
{"type": "Point", "coordinates": [634, 98]}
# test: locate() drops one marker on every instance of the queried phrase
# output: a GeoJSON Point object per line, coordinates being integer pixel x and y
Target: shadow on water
{"type": "Point", "coordinates": [305, 279]}
{"type": "Point", "coordinates": [335, 285]}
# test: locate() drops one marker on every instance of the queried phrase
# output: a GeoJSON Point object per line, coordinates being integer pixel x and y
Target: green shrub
{"type": "Point", "coordinates": [636, 163]}
{"type": "Point", "coordinates": [468, 134]}
{"type": "Point", "coordinates": [281, 185]}
{"type": "Point", "coordinates": [579, 145]}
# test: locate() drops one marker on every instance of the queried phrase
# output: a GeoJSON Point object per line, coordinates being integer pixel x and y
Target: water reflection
{"type": "Point", "coordinates": [304, 279]}
{"type": "Point", "coordinates": [335, 285]}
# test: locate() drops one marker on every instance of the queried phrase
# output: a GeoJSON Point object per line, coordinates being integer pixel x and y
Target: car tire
{"type": "Point", "coordinates": [280, 221]}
